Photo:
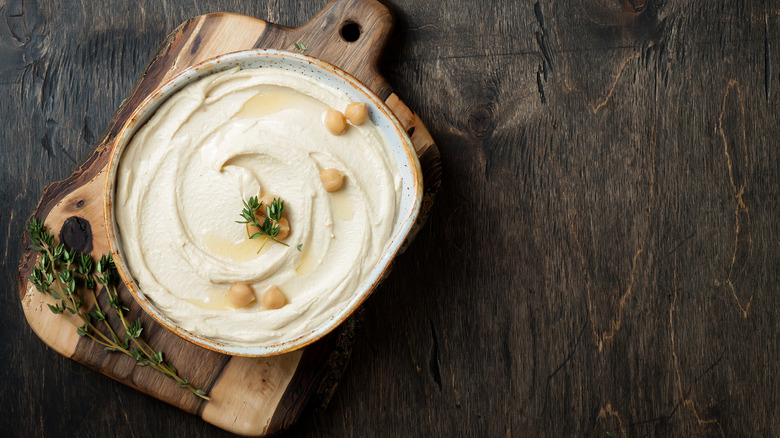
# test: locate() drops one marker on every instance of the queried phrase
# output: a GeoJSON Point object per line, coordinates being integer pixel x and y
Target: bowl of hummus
{"type": "Point", "coordinates": [254, 201]}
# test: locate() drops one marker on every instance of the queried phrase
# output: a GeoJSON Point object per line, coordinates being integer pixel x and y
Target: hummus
{"type": "Point", "coordinates": [227, 137]}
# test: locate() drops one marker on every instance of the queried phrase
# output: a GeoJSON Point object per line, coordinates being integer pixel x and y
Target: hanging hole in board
{"type": "Point", "coordinates": [350, 31]}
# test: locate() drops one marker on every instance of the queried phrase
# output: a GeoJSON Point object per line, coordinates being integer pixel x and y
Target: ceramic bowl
{"type": "Point", "coordinates": [398, 141]}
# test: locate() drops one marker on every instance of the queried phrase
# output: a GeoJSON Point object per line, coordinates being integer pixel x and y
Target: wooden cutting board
{"type": "Point", "coordinates": [250, 396]}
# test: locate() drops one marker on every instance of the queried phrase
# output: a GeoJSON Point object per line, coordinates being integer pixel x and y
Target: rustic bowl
{"type": "Point", "coordinates": [399, 142]}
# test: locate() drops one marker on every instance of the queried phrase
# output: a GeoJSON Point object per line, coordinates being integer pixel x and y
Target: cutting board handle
{"type": "Point", "coordinates": [349, 34]}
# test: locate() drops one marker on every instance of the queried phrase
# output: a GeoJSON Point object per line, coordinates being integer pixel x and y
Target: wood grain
{"type": "Point", "coordinates": [560, 122]}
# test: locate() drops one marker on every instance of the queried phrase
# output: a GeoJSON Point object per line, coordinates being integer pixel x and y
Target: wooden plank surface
{"type": "Point", "coordinates": [603, 255]}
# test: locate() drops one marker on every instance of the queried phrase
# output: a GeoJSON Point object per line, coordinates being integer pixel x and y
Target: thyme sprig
{"type": "Point", "coordinates": [269, 227]}
{"type": "Point", "coordinates": [64, 274]}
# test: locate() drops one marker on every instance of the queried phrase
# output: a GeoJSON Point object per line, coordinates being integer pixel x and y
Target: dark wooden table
{"type": "Point", "coordinates": [602, 259]}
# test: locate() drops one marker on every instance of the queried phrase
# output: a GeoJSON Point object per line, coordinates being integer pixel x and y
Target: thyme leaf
{"type": "Point", "coordinates": [269, 226]}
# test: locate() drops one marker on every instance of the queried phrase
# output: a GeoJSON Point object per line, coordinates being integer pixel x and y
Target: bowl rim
{"type": "Point", "coordinates": [142, 113]}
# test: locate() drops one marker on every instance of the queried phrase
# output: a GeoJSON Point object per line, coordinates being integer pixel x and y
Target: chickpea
{"type": "Point", "coordinates": [273, 298]}
{"type": "Point", "coordinates": [284, 229]}
{"type": "Point", "coordinates": [356, 112]}
{"type": "Point", "coordinates": [332, 179]}
{"type": "Point", "coordinates": [266, 200]}
{"type": "Point", "coordinates": [241, 294]}
{"type": "Point", "coordinates": [335, 122]}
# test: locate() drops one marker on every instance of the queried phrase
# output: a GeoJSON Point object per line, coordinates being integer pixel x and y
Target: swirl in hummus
{"type": "Point", "coordinates": [221, 140]}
